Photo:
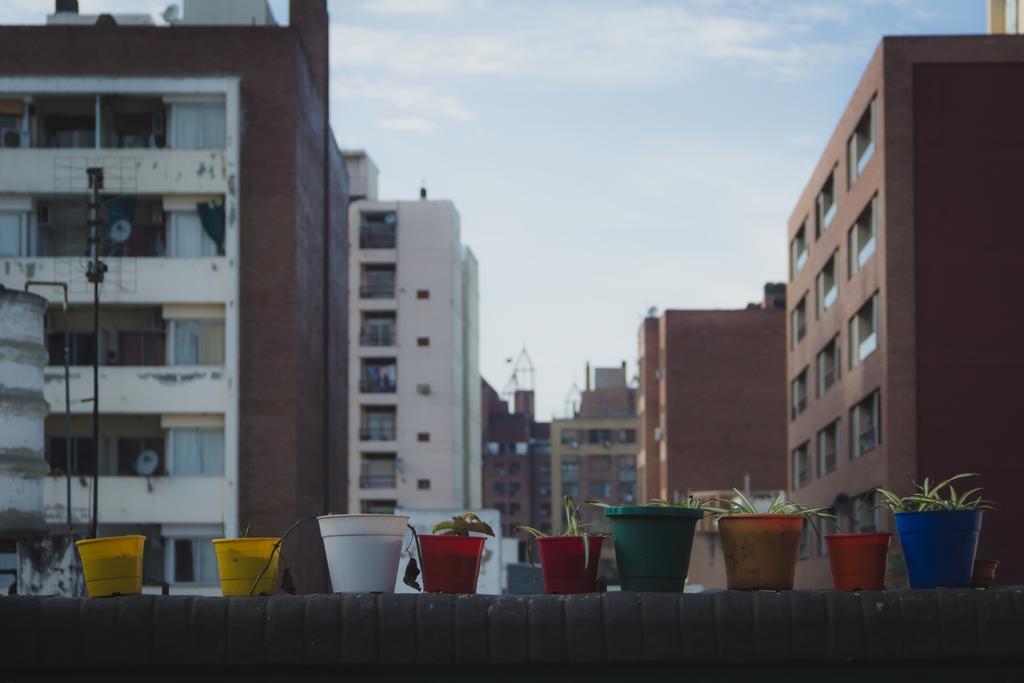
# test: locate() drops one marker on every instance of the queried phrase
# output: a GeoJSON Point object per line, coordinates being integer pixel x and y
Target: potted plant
{"type": "Point", "coordinates": [451, 557]}
{"type": "Point", "coordinates": [247, 566]}
{"type": "Point", "coordinates": [938, 530]}
{"type": "Point", "coordinates": [760, 547]}
{"type": "Point", "coordinates": [363, 551]}
{"type": "Point", "coordinates": [653, 542]}
{"type": "Point", "coordinates": [858, 560]}
{"type": "Point", "coordinates": [568, 562]}
{"type": "Point", "coordinates": [112, 565]}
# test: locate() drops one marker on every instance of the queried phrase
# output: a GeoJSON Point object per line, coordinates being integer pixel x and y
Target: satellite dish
{"type": "Point", "coordinates": [170, 14]}
{"type": "Point", "coordinates": [120, 231]}
{"type": "Point", "coordinates": [146, 463]}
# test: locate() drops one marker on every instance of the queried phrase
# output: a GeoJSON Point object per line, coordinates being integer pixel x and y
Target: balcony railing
{"type": "Point", "coordinates": [377, 481]}
{"type": "Point", "coordinates": [377, 239]}
{"type": "Point", "coordinates": [377, 338]}
{"type": "Point", "coordinates": [377, 291]}
{"type": "Point", "coordinates": [377, 433]}
{"type": "Point", "coordinates": [377, 386]}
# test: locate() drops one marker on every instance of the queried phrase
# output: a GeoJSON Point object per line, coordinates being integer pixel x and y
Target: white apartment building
{"type": "Point", "coordinates": [414, 378]}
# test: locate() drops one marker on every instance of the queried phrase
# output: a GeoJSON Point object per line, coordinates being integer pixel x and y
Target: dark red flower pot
{"type": "Point", "coordinates": [858, 561]}
{"type": "Point", "coordinates": [562, 565]}
{"type": "Point", "coordinates": [451, 564]}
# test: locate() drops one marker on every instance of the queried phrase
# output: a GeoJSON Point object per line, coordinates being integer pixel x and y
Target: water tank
{"type": "Point", "coordinates": [22, 411]}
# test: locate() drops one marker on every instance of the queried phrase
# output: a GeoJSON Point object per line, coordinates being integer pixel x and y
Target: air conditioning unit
{"type": "Point", "coordinates": [10, 137]}
{"type": "Point", "coordinates": [423, 389]}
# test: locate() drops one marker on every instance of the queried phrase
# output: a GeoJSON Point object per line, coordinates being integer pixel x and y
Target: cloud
{"type": "Point", "coordinates": [407, 97]}
{"type": "Point", "coordinates": [393, 7]}
{"type": "Point", "coordinates": [408, 124]}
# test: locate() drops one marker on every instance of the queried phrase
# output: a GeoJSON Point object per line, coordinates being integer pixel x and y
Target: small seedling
{"type": "Point", "coordinates": [463, 525]}
{"type": "Point", "coordinates": [931, 498]}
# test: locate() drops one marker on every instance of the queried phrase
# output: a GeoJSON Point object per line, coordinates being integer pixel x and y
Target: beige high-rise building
{"type": "Point", "coordinates": [1006, 16]}
{"type": "Point", "coordinates": [414, 379]}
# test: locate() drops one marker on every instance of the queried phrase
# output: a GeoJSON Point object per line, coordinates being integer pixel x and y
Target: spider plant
{"type": "Point", "coordinates": [574, 527]}
{"type": "Point", "coordinates": [742, 505]}
{"type": "Point", "coordinates": [462, 525]}
{"type": "Point", "coordinates": [937, 497]}
{"type": "Point", "coordinates": [691, 502]}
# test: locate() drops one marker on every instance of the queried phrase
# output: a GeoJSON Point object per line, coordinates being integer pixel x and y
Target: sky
{"type": "Point", "coordinates": [606, 157]}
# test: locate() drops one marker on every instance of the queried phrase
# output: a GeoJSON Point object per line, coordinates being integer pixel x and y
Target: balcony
{"type": "Point", "coordinates": [125, 171]}
{"type": "Point", "coordinates": [145, 390]}
{"type": "Point", "coordinates": [139, 500]}
{"type": "Point", "coordinates": [377, 481]}
{"type": "Point", "coordinates": [377, 291]}
{"type": "Point", "coordinates": [128, 280]}
{"type": "Point", "coordinates": [377, 433]}
{"type": "Point", "coordinates": [377, 338]}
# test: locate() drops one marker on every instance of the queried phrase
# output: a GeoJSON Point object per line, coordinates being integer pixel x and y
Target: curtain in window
{"type": "Point", "coordinates": [198, 452]}
{"type": "Point", "coordinates": [190, 240]}
{"type": "Point", "coordinates": [198, 342]}
{"type": "Point", "coordinates": [194, 561]}
{"type": "Point", "coordinates": [212, 217]}
{"type": "Point", "coordinates": [199, 125]}
{"type": "Point", "coordinates": [10, 234]}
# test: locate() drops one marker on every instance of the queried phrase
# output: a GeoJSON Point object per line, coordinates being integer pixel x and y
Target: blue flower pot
{"type": "Point", "coordinates": [939, 546]}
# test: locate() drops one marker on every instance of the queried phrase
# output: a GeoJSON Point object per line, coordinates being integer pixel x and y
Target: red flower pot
{"type": "Point", "coordinates": [561, 563]}
{"type": "Point", "coordinates": [451, 564]}
{"type": "Point", "coordinates": [858, 561]}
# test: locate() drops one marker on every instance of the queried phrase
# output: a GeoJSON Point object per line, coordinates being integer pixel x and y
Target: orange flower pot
{"type": "Point", "coordinates": [858, 560]}
{"type": "Point", "coordinates": [760, 550]}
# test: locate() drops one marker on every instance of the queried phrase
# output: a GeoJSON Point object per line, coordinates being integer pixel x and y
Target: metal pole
{"type": "Point", "coordinates": [67, 389]}
{"type": "Point", "coordinates": [95, 275]}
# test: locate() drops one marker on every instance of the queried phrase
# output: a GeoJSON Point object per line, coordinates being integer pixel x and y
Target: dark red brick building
{"type": "Point", "coordinates": [712, 401]}
{"type": "Point", "coordinates": [904, 343]}
{"type": "Point", "coordinates": [516, 462]}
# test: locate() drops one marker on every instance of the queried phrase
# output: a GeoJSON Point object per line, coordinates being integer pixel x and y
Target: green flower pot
{"type": "Point", "coordinates": [652, 546]}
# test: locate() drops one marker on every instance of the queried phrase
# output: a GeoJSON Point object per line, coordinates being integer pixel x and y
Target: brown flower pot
{"type": "Point", "coordinates": [858, 560]}
{"type": "Point", "coordinates": [760, 550]}
{"type": "Point", "coordinates": [984, 573]}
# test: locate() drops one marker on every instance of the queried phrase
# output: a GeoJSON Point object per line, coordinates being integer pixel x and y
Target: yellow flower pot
{"type": "Point", "coordinates": [240, 561]}
{"type": "Point", "coordinates": [113, 565]}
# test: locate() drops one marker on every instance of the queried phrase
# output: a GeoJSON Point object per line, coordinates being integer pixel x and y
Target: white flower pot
{"type": "Point", "coordinates": [363, 551]}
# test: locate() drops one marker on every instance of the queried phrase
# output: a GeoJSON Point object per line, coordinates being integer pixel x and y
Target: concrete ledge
{"type": "Point", "coordinates": [613, 630]}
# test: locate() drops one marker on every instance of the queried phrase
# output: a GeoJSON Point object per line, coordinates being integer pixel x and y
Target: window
{"type": "Point", "coordinates": [599, 436]}
{"type": "Point", "coordinates": [861, 145]}
{"type": "Point", "coordinates": [828, 366]}
{"type": "Point", "coordinates": [499, 488]}
{"type": "Point", "coordinates": [82, 347]}
{"type": "Point", "coordinates": [8, 565]}
{"type": "Point", "coordinates": [422, 293]}
{"type": "Point", "coordinates": [570, 470]}
{"type": "Point", "coordinates": [197, 342]}
{"type": "Point", "coordinates": [571, 488]}
{"type": "Point", "coordinates": [544, 489]}
{"type": "Point", "coordinates": [423, 437]}
{"type": "Point", "coordinates": [194, 561]}
{"type": "Point", "coordinates": [378, 329]}
{"type": "Point", "coordinates": [377, 229]}
{"type": "Point", "coordinates": [423, 484]}
{"type": "Point", "coordinates": [805, 542]}
{"type": "Point", "coordinates": [138, 348]}
{"type": "Point", "coordinates": [513, 488]}
{"type": "Point", "coordinates": [422, 341]}
{"type": "Point", "coordinates": [198, 125]}
{"type": "Point", "coordinates": [828, 283]}
{"type": "Point", "coordinates": [15, 234]}
{"type": "Point", "coordinates": [864, 332]}
{"type": "Point", "coordinates": [544, 467]}
{"type": "Point", "coordinates": [798, 394]}
{"type": "Point", "coordinates": [83, 455]}
{"type": "Point", "coordinates": [522, 448]}
{"type": "Point", "coordinates": [865, 513]}
{"type": "Point", "coordinates": [862, 237]}
{"type": "Point", "coordinates": [828, 449]}
{"type": "Point", "coordinates": [600, 489]}
{"type": "Point", "coordinates": [514, 508]}
{"type": "Point", "coordinates": [798, 251]}
{"type": "Point", "coordinates": [798, 321]}
{"type": "Point", "coordinates": [627, 491]}
{"type": "Point", "coordinates": [827, 202]}
{"type": "Point", "coordinates": [378, 424]}
{"type": "Point", "coordinates": [492, 448]}
{"type": "Point", "coordinates": [1010, 20]}
{"type": "Point", "coordinates": [600, 463]}
{"type": "Point", "coordinates": [513, 468]}
{"type": "Point", "coordinates": [189, 239]}
{"type": "Point", "coordinates": [500, 468]}
{"type": "Point", "coordinates": [377, 471]}
{"type": "Point", "coordinates": [377, 282]}
{"type": "Point", "coordinates": [569, 436]}
{"type": "Point", "coordinates": [379, 376]}
{"type": "Point", "coordinates": [545, 509]}
{"type": "Point", "coordinates": [627, 470]}
{"type": "Point", "coordinates": [378, 507]}
{"type": "Point", "coordinates": [627, 436]}
{"type": "Point", "coordinates": [866, 425]}
{"type": "Point", "coordinates": [197, 452]}
{"type": "Point", "coordinates": [801, 465]}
